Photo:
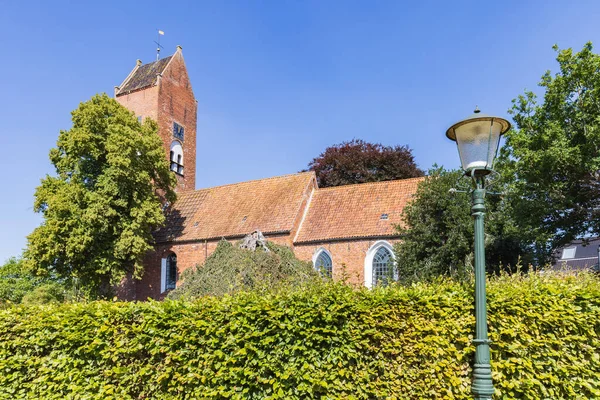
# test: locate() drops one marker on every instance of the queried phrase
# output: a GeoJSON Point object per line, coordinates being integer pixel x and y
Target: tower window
{"type": "Point", "coordinates": [178, 131]}
{"type": "Point", "coordinates": [176, 158]}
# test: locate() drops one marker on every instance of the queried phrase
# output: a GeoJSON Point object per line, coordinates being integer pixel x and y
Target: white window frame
{"type": "Point", "coordinates": [368, 270]}
{"type": "Point", "coordinates": [163, 273]}
{"type": "Point", "coordinates": [316, 255]}
{"type": "Point", "coordinates": [176, 165]}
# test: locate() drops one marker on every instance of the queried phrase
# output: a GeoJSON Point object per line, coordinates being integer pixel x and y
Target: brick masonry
{"type": "Point", "coordinates": [189, 255]}
{"type": "Point", "coordinates": [347, 256]}
{"type": "Point", "coordinates": [344, 211]}
{"type": "Point", "coordinates": [170, 100]}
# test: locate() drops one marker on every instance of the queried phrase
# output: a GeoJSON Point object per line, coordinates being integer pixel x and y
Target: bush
{"type": "Point", "coordinates": [231, 269]}
{"type": "Point", "coordinates": [47, 293]}
{"type": "Point", "coordinates": [319, 341]}
{"type": "Point", "coordinates": [17, 283]}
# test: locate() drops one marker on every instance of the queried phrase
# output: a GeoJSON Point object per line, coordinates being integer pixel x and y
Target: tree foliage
{"type": "Point", "coordinates": [18, 284]}
{"type": "Point", "coordinates": [437, 230]}
{"type": "Point", "coordinates": [15, 281]}
{"type": "Point", "coordinates": [552, 159]}
{"type": "Point", "coordinates": [231, 269]}
{"type": "Point", "coordinates": [358, 161]}
{"type": "Point", "coordinates": [100, 208]}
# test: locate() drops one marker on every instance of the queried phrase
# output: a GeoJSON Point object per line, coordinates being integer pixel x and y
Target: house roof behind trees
{"type": "Point", "coordinates": [579, 254]}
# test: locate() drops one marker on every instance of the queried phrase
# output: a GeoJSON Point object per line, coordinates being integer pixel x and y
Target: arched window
{"type": "Point", "coordinates": [380, 267]}
{"type": "Point", "coordinates": [383, 267]}
{"type": "Point", "coordinates": [176, 155]}
{"type": "Point", "coordinates": [322, 262]}
{"type": "Point", "coordinates": [168, 273]}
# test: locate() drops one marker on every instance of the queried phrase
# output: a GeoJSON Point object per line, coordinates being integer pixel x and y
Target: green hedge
{"type": "Point", "coordinates": [323, 341]}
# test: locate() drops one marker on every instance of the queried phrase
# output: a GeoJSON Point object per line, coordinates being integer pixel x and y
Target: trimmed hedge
{"type": "Point", "coordinates": [322, 341]}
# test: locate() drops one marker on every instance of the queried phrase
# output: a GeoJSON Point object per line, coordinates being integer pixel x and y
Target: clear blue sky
{"type": "Point", "coordinates": [276, 81]}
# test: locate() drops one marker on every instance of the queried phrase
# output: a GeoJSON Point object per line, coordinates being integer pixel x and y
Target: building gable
{"type": "Point", "coordinates": [143, 76]}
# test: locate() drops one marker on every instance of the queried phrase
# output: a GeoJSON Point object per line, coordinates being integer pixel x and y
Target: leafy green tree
{"type": "Point", "coordinates": [17, 283]}
{"type": "Point", "coordinates": [358, 161]}
{"type": "Point", "coordinates": [552, 159]}
{"type": "Point", "coordinates": [437, 230]}
{"type": "Point", "coordinates": [231, 269]}
{"type": "Point", "coordinates": [112, 179]}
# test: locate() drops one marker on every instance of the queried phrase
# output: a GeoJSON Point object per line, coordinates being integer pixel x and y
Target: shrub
{"type": "Point", "coordinates": [17, 283]}
{"type": "Point", "coordinates": [52, 292]}
{"type": "Point", "coordinates": [231, 269]}
{"type": "Point", "coordinates": [324, 340]}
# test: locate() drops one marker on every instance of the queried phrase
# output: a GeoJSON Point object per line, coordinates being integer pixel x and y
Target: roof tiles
{"type": "Point", "coordinates": [274, 205]}
{"type": "Point", "coordinates": [144, 76]}
{"type": "Point", "coordinates": [354, 211]}
{"type": "Point", "coordinates": [271, 205]}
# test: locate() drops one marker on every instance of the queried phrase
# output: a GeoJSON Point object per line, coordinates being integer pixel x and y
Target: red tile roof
{"type": "Point", "coordinates": [271, 205]}
{"type": "Point", "coordinates": [354, 211]}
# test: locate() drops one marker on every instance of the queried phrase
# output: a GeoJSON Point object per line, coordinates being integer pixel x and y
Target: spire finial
{"type": "Point", "coordinates": [158, 45]}
{"type": "Point", "coordinates": [477, 110]}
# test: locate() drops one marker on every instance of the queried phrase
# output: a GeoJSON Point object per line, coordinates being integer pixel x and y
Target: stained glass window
{"type": "Point", "coordinates": [323, 264]}
{"type": "Point", "coordinates": [383, 267]}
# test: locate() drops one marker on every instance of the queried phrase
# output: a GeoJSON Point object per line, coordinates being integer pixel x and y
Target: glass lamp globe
{"type": "Point", "coordinates": [477, 138]}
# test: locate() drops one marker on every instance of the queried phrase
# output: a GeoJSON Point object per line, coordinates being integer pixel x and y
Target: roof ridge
{"type": "Point", "coordinates": [251, 180]}
{"type": "Point", "coordinates": [160, 59]}
{"type": "Point", "coordinates": [370, 183]}
{"type": "Point", "coordinates": [143, 76]}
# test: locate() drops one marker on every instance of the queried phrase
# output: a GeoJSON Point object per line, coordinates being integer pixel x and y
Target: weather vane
{"type": "Point", "coordinates": [158, 46]}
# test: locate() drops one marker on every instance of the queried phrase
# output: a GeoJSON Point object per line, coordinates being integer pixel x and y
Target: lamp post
{"type": "Point", "coordinates": [477, 138]}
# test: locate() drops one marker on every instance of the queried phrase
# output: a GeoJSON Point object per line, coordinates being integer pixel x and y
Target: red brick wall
{"type": "Point", "coordinates": [144, 103]}
{"type": "Point", "coordinates": [171, 100]}
{"type": "Point", "coordinates": [348, 257]}
{"type": "Point", "coordinates": [176, 103]}
{"type": "Point", "coordinates": [188, 256]}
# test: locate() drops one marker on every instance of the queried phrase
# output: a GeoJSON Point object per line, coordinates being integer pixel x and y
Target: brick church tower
{"type": "Point", "coordinates": [161, 90]}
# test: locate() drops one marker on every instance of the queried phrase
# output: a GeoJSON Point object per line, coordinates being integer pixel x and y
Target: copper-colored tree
{"type": "Point", "coordinates": [358, 161]}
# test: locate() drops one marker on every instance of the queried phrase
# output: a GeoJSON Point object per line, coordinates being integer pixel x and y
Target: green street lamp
{"type": "Point", "coordinates": [477, 138]}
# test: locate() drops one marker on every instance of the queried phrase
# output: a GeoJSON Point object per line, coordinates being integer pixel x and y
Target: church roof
{"type": "Point", "coordinates": [271, 205]}
{"type": "Point", "coordinates": [356, 211]}
{"type": "Point", "coordinates": [144, 76]}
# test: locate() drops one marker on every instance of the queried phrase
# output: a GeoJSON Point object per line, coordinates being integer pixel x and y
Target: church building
{"type": "Point", "coordinates": [345, 231]}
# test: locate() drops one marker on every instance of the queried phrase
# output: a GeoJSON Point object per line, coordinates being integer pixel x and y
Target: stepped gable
{"type": "Point", "coordinates": [270, 205]}
{"type": "Point", "coordinates": [367, 210]}
{"type": "Point", "coordinates": [144, 76]}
